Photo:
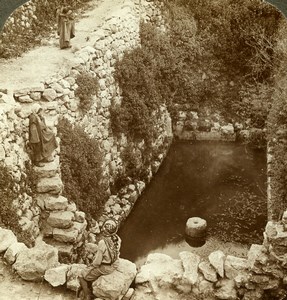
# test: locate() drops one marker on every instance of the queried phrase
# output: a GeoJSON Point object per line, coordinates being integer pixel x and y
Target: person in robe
{"type": "Point", "coordinates": [42, 139]}
{"type": "Point", "coordinates": [106, 259]}
{"type": "Point", "coordinates": [66, 26]}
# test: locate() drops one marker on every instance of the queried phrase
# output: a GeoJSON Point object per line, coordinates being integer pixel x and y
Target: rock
{"type": "Point", "coordinates": [49, 94]}
{"type": "Point", "coordinates": [80, 216]}
{"type": "Point", "coordinates": [51, 185]}
{"type": "Point", "coordinates": [51, 202]}
{"type": "Point", "coordinates": [61, 219]}
{"type": "Point", "coordinates": [116, 284]}
{"type": "Point", "coordinates": [160, 270]}
{"type": "Point", "coordinates": [216, 259]}
{"type": "Point", "coordinates": [12, 252]}
{"type": "Point", "coordinates": [65, 235]}
{"type": "Point", "coordinates": [129, 294]}
{"type": "Point", "coordinates": [7, 238]}
{"type": "Point", "coordinates": [73, 273]}
{"type": "Point", "coordinates": [228, 129]}
{"type": "Point", "coordinates": [234, 266]}
{"type": "Point", "coordinates": [2, 153]}
{"type": "Point", "coordinates": [31, 264]}
{"type": "Point", "coordinates": [57, 276]}
{"type": "Point", "coordinates": [208, 271]}
{"type": "Point", "coordinates": [256, 257]}
{"type": "Point", "coordinates": [36, 96]}
{"type": "Point", "coordinates": [196, 227]}
{"type": "Point", "coordinates": [190, 264]}
{"type": "Point", "coordinates": [25, 99]}
{"type": "Point", "coordinates": [48, 170]}
{"type": "Point", "coordinates": [226, 290]}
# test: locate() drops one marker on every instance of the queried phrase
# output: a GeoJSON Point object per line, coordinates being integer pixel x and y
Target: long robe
{"type": "Point", "coordinates": [42, 139]}
{"type": "Point", "coordinates": [66, 28]}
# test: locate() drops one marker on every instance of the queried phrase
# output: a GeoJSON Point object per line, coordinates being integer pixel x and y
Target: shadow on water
{"type": "Point", "coordinates": [222, 183]}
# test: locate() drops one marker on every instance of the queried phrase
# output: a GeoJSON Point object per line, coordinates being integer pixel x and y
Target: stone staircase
{"type": "Point", "coordinates": [61, 224]}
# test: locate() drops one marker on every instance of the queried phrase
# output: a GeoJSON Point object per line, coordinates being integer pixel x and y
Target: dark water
{"type": "Point", "coordinates": [222, 183]}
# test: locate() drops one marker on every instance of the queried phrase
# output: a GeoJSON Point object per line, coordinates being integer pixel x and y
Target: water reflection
{"type": "Point", "coordinates": [204, 180]}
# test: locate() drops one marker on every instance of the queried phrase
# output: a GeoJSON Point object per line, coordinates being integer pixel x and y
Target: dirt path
{"type": "Point", "coordinates": [29, 70]}
{"type": "Point", "coordinates": [44, 61]}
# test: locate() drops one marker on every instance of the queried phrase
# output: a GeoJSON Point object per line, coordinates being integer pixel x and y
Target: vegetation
{"type": "Point", "coordinates": [217, 54]}
{"type": "Point", "coordinates": [9, 192]}
{"type": "Point", "coordinates": [87, 87]}
{"type": "Point", "coordinates": [81, 169]}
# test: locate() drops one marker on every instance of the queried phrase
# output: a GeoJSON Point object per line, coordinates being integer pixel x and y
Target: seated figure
{"type": "Point", "coordinates": [42, 140]}
{"type": "Point", "coordinates": [105, 260]}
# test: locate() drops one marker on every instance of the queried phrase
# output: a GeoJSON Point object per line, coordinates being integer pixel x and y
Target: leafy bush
{"type": "Point", "coordinates": [87, 87]}
{"type": "Point", "coordinates": [9, 193]}
{"type": "Point", "coordinates": [81, 169]}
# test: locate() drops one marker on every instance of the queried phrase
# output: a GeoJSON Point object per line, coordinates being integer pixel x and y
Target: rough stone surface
{"type": "Point", "coordinates": [51, 185]}
{"type": "Point", "coordinates": [116, 284]}
{"type": "Point", "coordinates": [7, 238]}
{"type": "Point", "coordinates": [31, 264]}
{"type": "Point", "coordinates": [73, 273]}
{"type": "Point", "coordinates": [216, 259]}
{"type": "Point", "coordinates": [234, 265]}
{"type": "Point", "coordinates": [57, 276]}
{"type": "Point", "coordinates": [208, 271]}
{"type": "Point", "coordinates": [61, 219]}
{"type": "Point", "coordinates": [190, 264]}
{"type": "Point", "coordinates": [226, 290]}
{"type": "Point", "coordinates": [12, 252]}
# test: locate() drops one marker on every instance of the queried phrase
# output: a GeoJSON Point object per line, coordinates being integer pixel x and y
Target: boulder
{"type": "Point", "coordinates": [31, 264]}
{"type": "Point", "coordinates": [51, 202]}
{"type": "Point", "coordinates": [61, 219]}
{"type": "Point", "coordinates": [57, 276]}
{"type": "Point", "coordinates": [234, 266]}
{"type": "Point", "coordinates": [48, 170]}
{"type": "Point", "coordinates": [73, 273]}
{"type": "Point", "coordinates": [190, 264]}
{"type": "Point", "coordinates": [49, 94]}
{"type": "Point", "coordinates": [216, 259]}
{"type": "Point", "coordinates": [65, 235]}
{"type": "Point", "coordinates": [208, 271]}
{"type": "Point", "coordinates": [12, 252]}
{"type": "Point", "coordinates": [51, 185]}
{"type": "Point", "coordinates": [115, 285]}
{"type": "Point", "coordinates": [226, 290]}
{"type": "Point", "coordinates": [160, 270]}
{"type": "Point", "coordinates": [7, 238]}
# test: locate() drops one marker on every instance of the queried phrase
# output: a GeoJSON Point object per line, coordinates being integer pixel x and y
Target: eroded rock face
{"type": "Point", "coordinates": [115, 285]}
{"type": "Point", "coordinates": [31, 264]}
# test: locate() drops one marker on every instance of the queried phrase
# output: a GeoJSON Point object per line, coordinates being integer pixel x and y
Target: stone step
{"type": "Point", "coordinates": [65, 250]}
{"type": "Point", "coordinates": [49, 169]}
{"type": "Point", "coordinates": [51, 202]}
{"type": "Point", "coordinates": [61, 219]}
{"type": "Point", "coordinates": [52, 185]}
{"type": "Point", "coordinates": [70, 235]}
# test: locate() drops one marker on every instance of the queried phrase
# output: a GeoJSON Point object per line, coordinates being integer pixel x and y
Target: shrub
{"type": "Point", "coordinates": [81, 169]}
{"type": "Point", "coordinates": [87, 87]}
{"type": "Point", "coordinates": [9, 193]}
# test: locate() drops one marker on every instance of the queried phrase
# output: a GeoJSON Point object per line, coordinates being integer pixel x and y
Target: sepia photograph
{"type": "Point", "coordinates": [143, 150]}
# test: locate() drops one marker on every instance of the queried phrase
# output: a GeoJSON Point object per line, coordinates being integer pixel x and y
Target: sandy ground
{"type": "Point", "coordinates": [29, 70]}
{"type": "Point", "coordinates": [44, 61]}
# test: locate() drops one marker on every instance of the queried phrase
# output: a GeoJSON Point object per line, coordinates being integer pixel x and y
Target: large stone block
{"type": "Point", "coordinates": [49, 94]}
{"type": "Point", "coordinates": [12, 252]}
{"type": "Point", "coordinates": [65, 235]}
{"type": "Point", "coordinates": [190, 264]}
{"type": "Point", "coordinates": [31, 264]}
{"type": "Point", "coordinates": [49, 169]}
{"type": "Point", "coordinates": [73, 274]}
{"type": "Point", "coordinates": [217, 259]}
{"type": "Point", "coordinates": [61, 219]}
{"type": "Point", "coordinates": [234, 266]}
{"type": "Point", "coordinates": [51, 185]}
{"type": "Point", "coordinates": [208, 271]}
{"type": "Point", "coordinates": [115, 285]}
{"type": "Point", "coordinates": [57, 276]}
{"type": "Point", "coordinates": [51, 202]}
{"type": "Point", "coordinates": [7, 238]}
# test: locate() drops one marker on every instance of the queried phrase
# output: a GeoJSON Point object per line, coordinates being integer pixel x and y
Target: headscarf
{"type": "Point", "coordinates": [110, 227]}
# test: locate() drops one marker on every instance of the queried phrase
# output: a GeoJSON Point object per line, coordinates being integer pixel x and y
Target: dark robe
{"type": "Point", "coordinates": [42, 139]}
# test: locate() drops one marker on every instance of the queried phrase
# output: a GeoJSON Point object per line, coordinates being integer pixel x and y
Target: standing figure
{"type": "Point", "coordinates": [66, 26]}
{"type": "Point", "coordinates": [41, 138]}
{"type": "Point", "coordinates": [105, 260]}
